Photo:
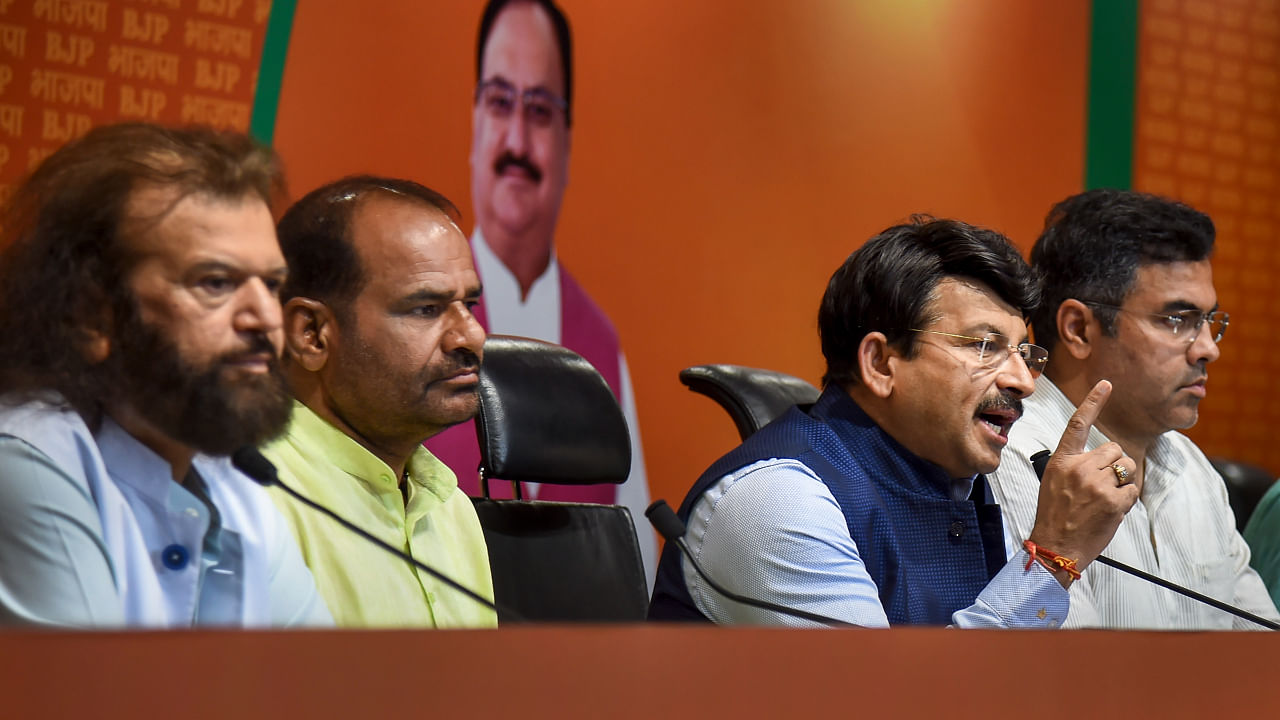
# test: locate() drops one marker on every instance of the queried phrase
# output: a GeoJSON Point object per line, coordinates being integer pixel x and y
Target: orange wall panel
{"type": "Point", "coordinates": [69, 65]}
{"type": "Point", "coordinates": [1207, 132]}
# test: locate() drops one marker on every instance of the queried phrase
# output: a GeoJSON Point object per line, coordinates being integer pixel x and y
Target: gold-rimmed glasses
{"type": "Point", "coordinates": [993, 350]}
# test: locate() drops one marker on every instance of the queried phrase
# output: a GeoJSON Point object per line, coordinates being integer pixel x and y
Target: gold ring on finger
{"type": "Point", "coordinates": [1122, 475]}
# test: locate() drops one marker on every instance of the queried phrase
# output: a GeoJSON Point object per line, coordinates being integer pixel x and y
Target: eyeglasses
{"type": "Point", "coordinates": [994, 350]}
{"type": "Point", "coordinates": [499, 98]}
{"type": "Point", "coordinates": [1183, 323]}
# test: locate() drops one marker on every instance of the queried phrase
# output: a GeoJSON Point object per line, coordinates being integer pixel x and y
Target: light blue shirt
{"type": "Point", "coordinates": [772, 530]}
{"type": "Point", "coordinates": [94, 532]}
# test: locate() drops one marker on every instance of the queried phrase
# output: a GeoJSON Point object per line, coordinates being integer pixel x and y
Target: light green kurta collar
{"type": "Point", "coordinates": [316, 437]}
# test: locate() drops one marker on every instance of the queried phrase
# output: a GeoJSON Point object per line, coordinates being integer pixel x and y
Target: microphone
{"type": "Point", "coordinates": [259, 469]}
{"type": "Point", "coordinates": [1040, 461]}
{"type": "Point", "coordinates": [670, 527]}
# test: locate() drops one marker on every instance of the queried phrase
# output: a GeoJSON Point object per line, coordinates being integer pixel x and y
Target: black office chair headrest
{"type": "Point", "coordinates": [1246, 484]}
{"type": "Point", "coordinates": [753, 397]}
{"type": "Point", "coordinates": [546, 415]}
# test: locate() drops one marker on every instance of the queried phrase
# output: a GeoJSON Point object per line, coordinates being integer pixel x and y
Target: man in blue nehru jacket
{"type": "Point", "coordinates": [871, 508]}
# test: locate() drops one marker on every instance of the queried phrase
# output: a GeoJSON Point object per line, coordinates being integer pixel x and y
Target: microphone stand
{"type": "Point", "coordinates": [668, 524]}
{"type": "Point", "coordinates": [251, 462]}
{"type": "Point", "coordinates": [1040, 460]}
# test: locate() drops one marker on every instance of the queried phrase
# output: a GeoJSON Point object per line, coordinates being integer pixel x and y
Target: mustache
{"type": "Point", "coordinates": [1000, 402]}
{"type": "Point", "coordinates": [507, 159]}
{"type": "Point", "coordinates": [460, 360]}
{"type": "Point", "coordinates": [258, 344]}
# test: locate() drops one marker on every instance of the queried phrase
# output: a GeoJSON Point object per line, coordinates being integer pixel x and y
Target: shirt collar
{"type": "Point", "coordinates": [131, 463]}
{"type": "Point", "coordinates": [536, 316]}
{"type": "Point", "coordinates": [1164, 458]}
{"type": "Point", "coordinates": [1050, 400]}
{"type": "Point", "coordinates": [491, 268]}
{"type": "Point", "coordinates": [322, 439]}
{"type": "Point", "coordinates": [962, 488]}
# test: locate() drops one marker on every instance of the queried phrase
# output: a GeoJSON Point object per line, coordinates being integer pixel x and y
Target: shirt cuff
{"type": "Point", "coordinates": [1018, 597]}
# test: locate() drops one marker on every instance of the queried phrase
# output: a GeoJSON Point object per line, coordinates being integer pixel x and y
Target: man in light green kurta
{"type": "Point", "coordinates": [365, 585]}
{"type": "Point", "coordinates": [382, 352]}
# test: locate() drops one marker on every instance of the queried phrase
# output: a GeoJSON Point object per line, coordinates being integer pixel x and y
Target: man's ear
{"type": "Point", "coordinates": [96, 346]}
{"type": "Point", "coordinates": [877, 362]}
{"type": "Point", "coordinates": [309, 332]}
{"type": "Point", "coordinates": [1074, 319]}
{"type": "Point", "coordinates": [95, 337]}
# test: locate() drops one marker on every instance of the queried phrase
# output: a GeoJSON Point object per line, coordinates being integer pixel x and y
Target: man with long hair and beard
{"type": "Point", "coordinates": [140, 331]}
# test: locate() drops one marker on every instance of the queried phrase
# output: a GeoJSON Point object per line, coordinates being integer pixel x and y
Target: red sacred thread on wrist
{"type": "Point", "coordinates": [1052, 561]}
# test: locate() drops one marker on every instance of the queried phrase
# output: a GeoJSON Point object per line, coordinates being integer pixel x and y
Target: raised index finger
{"type": "Point", "coordinates": [1077, 432]}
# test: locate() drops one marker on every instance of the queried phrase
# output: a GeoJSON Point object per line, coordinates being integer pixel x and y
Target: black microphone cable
{"type": "Point", "coordinates": [1040, 461]}
{"type": "Point", "coordinates": [252, 463]}
{"type": "Point", "coordinates": [670, 527]}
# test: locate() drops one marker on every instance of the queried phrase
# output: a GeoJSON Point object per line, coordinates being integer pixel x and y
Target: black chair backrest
{"type": "Point", "coordinates": [753, 397]}
{"type": "Point", "coordinates": [547, 416]}
{"type": "Point", "coordinates": [1246, 484]}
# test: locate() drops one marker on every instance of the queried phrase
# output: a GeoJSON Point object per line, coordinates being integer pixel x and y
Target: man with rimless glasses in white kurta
{"type": "Point", "coordinates": [1129, 297]}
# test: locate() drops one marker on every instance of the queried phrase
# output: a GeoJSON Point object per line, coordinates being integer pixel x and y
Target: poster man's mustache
{"type": "Point", "coordinates": [507, 160]}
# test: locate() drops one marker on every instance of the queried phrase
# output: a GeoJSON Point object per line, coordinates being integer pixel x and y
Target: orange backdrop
{"type": "Point", "coordinates": [726, 156]}
{"type": "Point", "coordinates": [1206, 132]}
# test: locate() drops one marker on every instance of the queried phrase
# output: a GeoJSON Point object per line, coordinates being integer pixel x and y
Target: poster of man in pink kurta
{"type": "Point", "coordinates": [522, 120]}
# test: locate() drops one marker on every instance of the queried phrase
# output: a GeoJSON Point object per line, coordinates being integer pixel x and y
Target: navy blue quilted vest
{"type": "Point", "coordinates": [928, 554]}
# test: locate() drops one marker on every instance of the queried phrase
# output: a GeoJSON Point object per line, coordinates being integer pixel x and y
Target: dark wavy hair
{"type": "Point", "coordinates": [888, 286]}
{"type": "Point", "coordinates": [315, 236]}
{"type": "Point", "coordinates": [564, 43]}
{"type": "Point", "coordinates": [1093, 244]}
{"type": "Point", "coordinates": [65, 238]}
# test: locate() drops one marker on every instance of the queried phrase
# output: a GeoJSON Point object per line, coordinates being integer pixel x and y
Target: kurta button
{"type": "Point", "coordinates": [174, 557]}
{"type": "Point", "coordinates": [957, 528]}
